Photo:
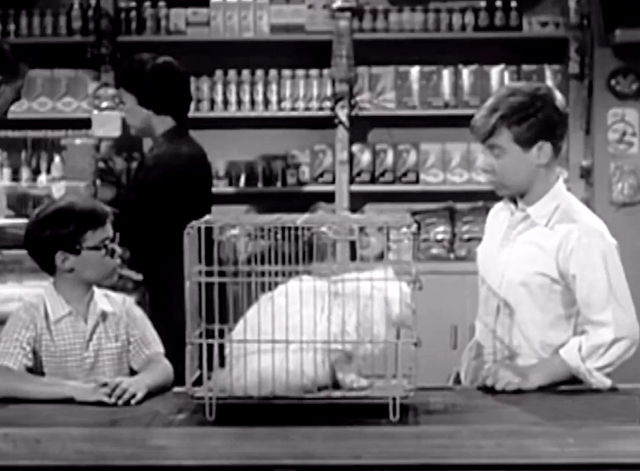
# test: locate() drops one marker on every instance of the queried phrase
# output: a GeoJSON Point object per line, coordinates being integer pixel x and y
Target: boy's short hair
{"type": "Point", "coordinates": [159, 84]}
{"type": "Point", "coordinates": [531, 112]}
{"type": "Point", "coordinates": [60, 225]}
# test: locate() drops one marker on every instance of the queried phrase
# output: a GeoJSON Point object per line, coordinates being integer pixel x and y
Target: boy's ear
{"type": "Point", "coordinates": [64, 261]}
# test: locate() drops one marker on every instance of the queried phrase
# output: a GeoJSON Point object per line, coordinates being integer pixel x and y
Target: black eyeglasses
{"type": "Point", "coordinates": [109, 248]}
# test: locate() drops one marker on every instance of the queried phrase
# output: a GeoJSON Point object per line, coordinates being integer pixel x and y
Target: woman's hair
{"type": "Point", "coordinates": [159, 84]}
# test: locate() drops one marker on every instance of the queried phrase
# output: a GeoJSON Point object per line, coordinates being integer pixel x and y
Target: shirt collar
{"type": "Point", "coordinates": [543, 209]}
{"type": "Point", "coordinates": [58, 307]}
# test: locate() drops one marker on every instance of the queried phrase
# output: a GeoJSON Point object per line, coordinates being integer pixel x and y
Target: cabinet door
{"type": "Point", "coordinates": [445, 310]}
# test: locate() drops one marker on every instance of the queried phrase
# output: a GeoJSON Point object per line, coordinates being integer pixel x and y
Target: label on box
{"type": "Point", "coordinates": [383, 87]}
{"type": "Point", "coordinates": [362, 88]}
{"type": "Point", "coordinates": [216, 18]}
{"type": "Point", "coordinates": [247, 19]}
{"type": "Point", "coordinates": [471, 89]}
{"type": "Point", "coordinates": [361, 163]}
{"type": "Point", "coordinates": [262, 21]}
{"type": "Point", "coordinates": [322, 164]}
{"type": "Point", "coordinates": [431, 163]}
{"type": "Point", "coordinates": [406, 163]}
{"type": "Point", "coordinates": [408, 87]}
{"type": "Point", "coordinates": [456, 157]}
{"type": "Point", "coordinates": [384, 163]}
{"type": "Point", "coordinates": [231, 18]}
{"type": "Point", "coordinates": [476, 157]}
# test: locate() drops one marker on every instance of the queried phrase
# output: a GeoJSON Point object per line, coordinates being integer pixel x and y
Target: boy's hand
{"type": "Point", "coordinates": [125, 390]}
{"type": "Point", "coordinates": [89, 393]}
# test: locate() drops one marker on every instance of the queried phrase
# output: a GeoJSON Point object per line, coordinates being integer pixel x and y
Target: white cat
{"type": "Point", "coordinates": [281, 346]}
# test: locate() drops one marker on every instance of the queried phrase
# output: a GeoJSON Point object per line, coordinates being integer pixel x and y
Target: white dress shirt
{"type": "Point", "coordinates": [551, 281]}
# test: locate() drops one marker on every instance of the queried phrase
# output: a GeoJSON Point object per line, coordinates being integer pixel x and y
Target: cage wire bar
{"type": "Point", "coordinates": [268, 304]}
{"type": "Point", "coordinates": [253, 280]}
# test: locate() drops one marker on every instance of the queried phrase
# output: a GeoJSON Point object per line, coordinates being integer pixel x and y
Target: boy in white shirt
{"type": "Point", "coordinates": [554, 303]}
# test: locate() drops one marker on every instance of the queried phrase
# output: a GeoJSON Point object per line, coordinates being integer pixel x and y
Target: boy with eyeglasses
{"type": "Point", "coordinates": [75, 340]}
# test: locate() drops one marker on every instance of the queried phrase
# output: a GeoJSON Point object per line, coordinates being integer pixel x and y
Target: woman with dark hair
{"type": "Point", "coordinates": [12, 74]}
{"type": "Point", "coordinates": [170, 188]}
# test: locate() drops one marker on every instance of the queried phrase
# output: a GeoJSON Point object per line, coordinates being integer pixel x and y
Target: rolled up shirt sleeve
{"type": "Point", "coordinates": [606, 329]}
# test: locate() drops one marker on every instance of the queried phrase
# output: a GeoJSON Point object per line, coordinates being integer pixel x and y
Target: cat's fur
{"type": "Point", "coordinates": [354, 309]}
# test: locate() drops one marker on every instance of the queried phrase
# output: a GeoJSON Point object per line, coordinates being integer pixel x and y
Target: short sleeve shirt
{"type": "Point", "coordinates": [45, 337]}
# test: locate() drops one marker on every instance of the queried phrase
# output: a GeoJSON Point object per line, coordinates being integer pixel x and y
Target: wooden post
{"type": "Point", "coordinates": [343, 73]}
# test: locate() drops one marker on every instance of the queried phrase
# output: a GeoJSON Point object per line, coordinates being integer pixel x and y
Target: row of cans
{"type": "Point", "coordinates": [262, 91]}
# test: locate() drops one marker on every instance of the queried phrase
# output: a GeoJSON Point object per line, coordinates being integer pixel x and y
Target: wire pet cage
{"type": "Point", "coordinates": [290, 307]}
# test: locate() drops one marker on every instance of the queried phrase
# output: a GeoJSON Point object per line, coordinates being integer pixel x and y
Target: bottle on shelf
{"type": "Point", "coordinates": [469, 19]}
{"type": "Point", "coordinates": [47, 23]}
{"type": "Point", "coordinates": [25, 170]}
{"type": "Point", "coordinates": [75, 19]}
{"type": "Point", "coordinates": [7, 171]}
{"type": "Point", "coordinates": [163, 18]}
{"type": "Point", "coordinates": [56, 172]}
{"type": "Point", "coordinates": [133, 18]}
{"type": "Point", "coordinates": [92, 17]}
{"type": "Point", "coordinates": [11, 23]}
{"type": "Point", "coordinates": [499, 16]}
{"type": "Point", "coordinates": [515, 16]}
{"type": "Point", "coordinates": [36, 23]}
{"type": "Point", "coordinates": [149, 15]}
{"type": "Point", "coordinates": [483, 20]}
{"type": "Point", "coordinates": [23, 24]}
{"type": "Point", "coordinates": [63, 27]}
{"type": "Point", "coordinates": [431, 19]}
{"type": "Point", "coordinates": [43, 177]}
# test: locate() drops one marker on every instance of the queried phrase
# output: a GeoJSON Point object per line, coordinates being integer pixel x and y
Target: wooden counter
{"type": "Point", "coordinates": [441, 427]}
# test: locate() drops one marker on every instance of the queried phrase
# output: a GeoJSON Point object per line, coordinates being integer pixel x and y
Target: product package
{"type": "Point", "coordinates": [383, 87]}
{"type": "Point", "coordinates": [554, 76]}
{"type": "Point", "coordinates": [384, 160]}
{"type": "Point", "coordinates": [406, 163]}
{"type": "Point", "coordinates": [625, 183]}
{"type": "Point", "coordinates": [437, 86]}
{"type": "Point", "coordinates": [431, 164]}
{"type": "Point", "coordinates": [408, 87]}
{"type": "Point", "coordinates": [473, 85]}
{"type": "Point", "coordinates": [469, 221]}
{"type": "Point", "coordinates": [299, 167]}
{"type": "Point", "coordinates": [476, 155]}
{"type": "Point", "coordinates": [362, 163]}
{"type": "Point", "coordinates": [322, 164]}
{"type": "Point", "coordinates": [532, 73]}
{"type": "Point", "coordinates": [435, 234]}
{"type": "Point", "coordinates": [362, 88]}
{"type": "Point", "coordinates": [456, 157]}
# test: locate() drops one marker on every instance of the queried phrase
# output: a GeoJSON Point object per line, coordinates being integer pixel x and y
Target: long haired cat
{"type": "Point", "coordinates": [283, 345]}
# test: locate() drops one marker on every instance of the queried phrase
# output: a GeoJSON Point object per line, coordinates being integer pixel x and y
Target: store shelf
{"type": "Point", "coordinates": [42, 121]}
{"type": "Point", "coordinates": [49, 41]}
{"type": "Point", "coordinates": [464, 36]}
{"type": "Point", "coordinates": [183, 38]}
{"type": "Point", "coordinates": [48, 116]}
{"type": "Point", "coordinates": [448, 112]}
{"type": "Point", "coordinates": [361, 36]}
{"type": "Point", "coordinates": [261, 115]}
{"type": "Point", "coordinates": [623, 36]}
{"type": "Point", "coordinates": [355, 188]}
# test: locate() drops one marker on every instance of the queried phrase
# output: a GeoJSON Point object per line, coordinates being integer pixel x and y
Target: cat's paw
{"type": "Point", "coordinates": [353, 382]}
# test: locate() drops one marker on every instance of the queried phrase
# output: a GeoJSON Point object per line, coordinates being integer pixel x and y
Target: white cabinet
{"type": "Point", "coordinates": [446, 309]}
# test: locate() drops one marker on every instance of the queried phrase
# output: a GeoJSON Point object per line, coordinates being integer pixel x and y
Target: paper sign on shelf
{"type": "Point", "coordinates": [623, 131]}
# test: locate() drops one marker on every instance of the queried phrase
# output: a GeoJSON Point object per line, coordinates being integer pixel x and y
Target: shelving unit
{"type": "Point", "coordinates": [450, 294]}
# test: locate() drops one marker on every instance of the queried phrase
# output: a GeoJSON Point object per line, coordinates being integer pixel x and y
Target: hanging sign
{"type": "Point", "coordinates": [622, 131]}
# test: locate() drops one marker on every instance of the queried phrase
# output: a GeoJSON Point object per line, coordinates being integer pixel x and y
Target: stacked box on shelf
{"type": "Point", "coordinates": [466, 86]}
{"type": "Point", "coordinates": [260, 91]}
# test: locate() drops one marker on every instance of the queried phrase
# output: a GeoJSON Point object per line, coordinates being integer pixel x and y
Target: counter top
{"type": "Point", "coordinates": [453, 427]}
